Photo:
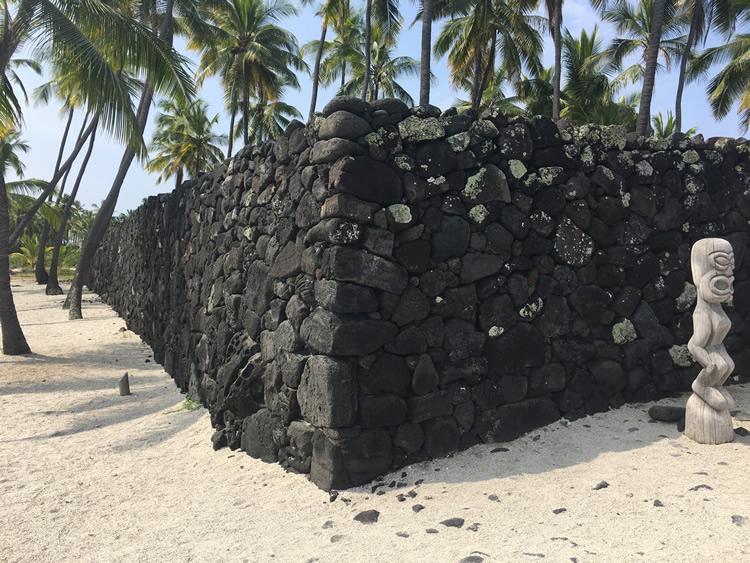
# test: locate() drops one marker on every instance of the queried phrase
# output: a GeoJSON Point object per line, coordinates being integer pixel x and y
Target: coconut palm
{"type": "Point", "coordinates": [385, 69]}
{"type": "Point", "coordinates": [333, 13]}
{"type": "Point", "coordinates": [731, 85]}
{"type": "Point", "coordinates": [184, 141]}
{"type": "Point", "coordinates": [633, 24]}
{"type": "Point", "coordinates": [53, 286]}
{"type": "Point", "coordinates": [162, 25]}
{"type": "Point", "coordinates": [704, 14]}
{"type": "Point", "coordinates": [269, 119]}
{"type": "Point", "coordinates": [475, 36]}
{"type": "Point", "coordinates": [76, 35]}
{"type": "Point", "coordinates": [344, 47]}
{"type": "Point", "coordinates": [589, 91]}
{"type": "Point", "coordinates": [651, 59]}
{"type": "Point", "coordinates": [251, 54]}
{"type": "Point", "coordinates": [665, 127]}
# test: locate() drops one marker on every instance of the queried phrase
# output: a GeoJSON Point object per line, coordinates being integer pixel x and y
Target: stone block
{"type": "Point", "coordinates": [327, 393]}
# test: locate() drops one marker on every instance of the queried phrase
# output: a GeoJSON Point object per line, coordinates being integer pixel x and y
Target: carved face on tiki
{"type": "Point", "coordinates": [712, 262]}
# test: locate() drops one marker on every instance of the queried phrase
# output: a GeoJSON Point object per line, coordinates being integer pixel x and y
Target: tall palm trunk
{"type": "Point", "coordinates": [368, 41]}
{"type": "Point", "coordinates": [694, 21]}
{"type": "Point", "coordinates": [316, 71]}
{"type": "Point", "coordinates": [490, 68]}
{"type": "Point", "coordinates": [53, 285]}
{"type": "Point", "coordinates": [39, 272]}
{"type": "Point", "coordinates": [231, 133]}
{"type": "Point", "coordinates": [101, 222]}
{"type": "Point", "coordinates": [476, 81]}
{"type": "Point", "coordinates": [649, 75]}
{"type": "Point", "coordinates": [424, 67]}
{"type": "Point", "coordinates": [557, 31]}
{"type": "Point", "coordinates": [245, 119]}
{"type": "Point", "coordinates": [14, 342]}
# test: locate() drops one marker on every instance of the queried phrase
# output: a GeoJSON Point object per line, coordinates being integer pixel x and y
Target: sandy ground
{"type": "Point", "coordinates": [87, 475]}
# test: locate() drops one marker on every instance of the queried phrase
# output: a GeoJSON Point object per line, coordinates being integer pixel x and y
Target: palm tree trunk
{"type": "Point", "coordinates": [53, 285]}
{"type": "Point", "coordinates": [245, 118]}
{"type": "Point", "coordinates": [104, 216]}
{"type": "Point", "coordinates": [368, 41]}
{"type": "Point", "coordinates": [316, 71]}
{"type": "Point", "coordinates": [649, 75]}
{"type": "Point", "coordinates": [343, 74]}
{"type": "Point", "coordinates": [14, 342]}
{"type": "Point", "coordinates": [24, 222]}
{"type": "Point", "coordinates": [557, 31]}
{"type": "Point", "coordinates": [424, 68]}
{"type": "Point", "coordinates": [231, 133]}
{"type": "Point", "coordinates": [39, 272]}
{"type": "Point", "coordinates": [683, 67]}
{"type": "Point", "coordinates": [489, 68]}
{"type": "Point", "coordinates": [475, 82]}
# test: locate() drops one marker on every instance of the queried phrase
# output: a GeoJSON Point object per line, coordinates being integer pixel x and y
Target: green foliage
{"type": "Point", "coordinates": [29, 250]}
{"type": "Point", "coordinates": [664, 128]}
{"type": "Point", "coordinates": [184, 141]}
{"type": "Point", "coordinates": [385, 69]}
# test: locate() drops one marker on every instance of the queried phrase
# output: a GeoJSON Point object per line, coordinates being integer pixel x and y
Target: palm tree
{"type": "Point", "coordinates": [346, 46]}
{"type": "Point", "coordinates": [633, 24]}
{"type": "Point", "coordinates": [385, 14]}
{"type": "Point", "coordinates": [495, 99]}
{"type": "Point", "coordinates": [14, 341]}
{"type": "Point", "coordinates": [665, 127]}
{"type": "Point", "coordinates": [589, 93]}
{"type": "Point", "coordinates": [537, 92]}
{"type": "Point", "coordinates": [703, 14]}
{"type": "Point", "coordinates": [269, 119]}
{"type": "Point", "coordinates": [53, 286]}
{"type": "Point", "coordinates": [732, 83]}
{"type": "Point", "coordinates": [254, 57]}
{"type": "Point", "coordinates": [475, 35]}
{"type": "Point", "coordinates": [649, 73]}
{"type": "Point", "coordinates": [184, 141]}
{"type": "Point", "coordinates": [426, 51]}
{"type": "Point", "coordinates": [384, 70]}
{"type": "Point", "coordinates": [77, 35]}
{"type": "Point", "coordinates": [332, 12]}
{"type": "Point", "coordinates": [161, 78]}
{"type": "Point", "coordinates": [30, 250]}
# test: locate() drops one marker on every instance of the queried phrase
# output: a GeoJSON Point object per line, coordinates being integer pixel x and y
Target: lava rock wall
{"type": "Point", "coordinates": [388, 285]}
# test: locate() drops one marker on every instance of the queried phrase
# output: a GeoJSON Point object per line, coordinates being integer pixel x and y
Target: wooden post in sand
{"type": "Point", "coordinates": [707, 417]}
{"type": "Point", "coordinates": [124, 385]}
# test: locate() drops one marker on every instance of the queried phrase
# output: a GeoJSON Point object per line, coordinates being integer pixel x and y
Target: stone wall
{"type": "Point", "coordinates": [390, 285]}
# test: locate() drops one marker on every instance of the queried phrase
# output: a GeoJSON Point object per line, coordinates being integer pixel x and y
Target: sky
{"type": "Point", "coordinates": [44, 124]}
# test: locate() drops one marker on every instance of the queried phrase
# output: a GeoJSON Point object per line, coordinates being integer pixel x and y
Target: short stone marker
{"type": "Point", "coordinates": [124, 385]}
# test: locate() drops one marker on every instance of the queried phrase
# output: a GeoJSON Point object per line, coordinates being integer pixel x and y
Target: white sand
{"type": "Point", "coordinates": [87, 475]}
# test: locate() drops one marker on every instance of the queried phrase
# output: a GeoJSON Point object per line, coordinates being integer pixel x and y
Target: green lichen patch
{"type": "Point", "coordinates": [687, 298]}
{"type": "Point", "coordinates": [681, 356]}
{"type": "Point", "coordinates": [517, 168]}
{"type": "Point", "coordinates": [690, 157]}
{"type": "Point", "coordinates": [414, 130]}
{"type": "Point", "coordinates": [623, 332]}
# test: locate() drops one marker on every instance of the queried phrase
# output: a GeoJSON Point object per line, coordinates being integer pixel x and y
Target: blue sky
{"type": "Point", "coordinates": [44, 124]}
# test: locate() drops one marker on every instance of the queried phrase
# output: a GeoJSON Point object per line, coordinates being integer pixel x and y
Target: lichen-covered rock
{"type": "Point", "coordinates": [489, 184]}
{"type": "Point", "coordinates": [572, 245]}
{"type": "Point", "coordinates": [414, 130]}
